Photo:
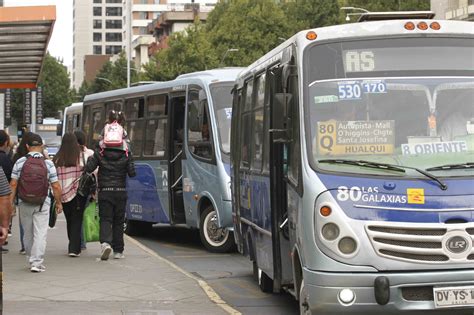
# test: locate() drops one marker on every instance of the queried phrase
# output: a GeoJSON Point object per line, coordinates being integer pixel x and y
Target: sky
{"type": "Point", "coordinates": [60, 44]}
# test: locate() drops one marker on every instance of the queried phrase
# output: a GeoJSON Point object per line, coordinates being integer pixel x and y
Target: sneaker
{"type": "Point", "coordinates": [119, 256]}
{"type": "Point", "coordinates": [22, 251]}
{"type": "Point", "coordinates": [39, 268]}
{"type": "Point", "coordinates": [106, 249]}
{"type": "Point", "coordinates": [74, 255]}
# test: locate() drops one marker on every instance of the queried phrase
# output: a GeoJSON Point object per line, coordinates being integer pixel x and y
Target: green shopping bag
{"type": "Point", "coordinates": [90, 223]}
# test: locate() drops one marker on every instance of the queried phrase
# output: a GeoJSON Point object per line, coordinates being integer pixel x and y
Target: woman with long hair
{"type": "Point", "coordinates": [69, 163]}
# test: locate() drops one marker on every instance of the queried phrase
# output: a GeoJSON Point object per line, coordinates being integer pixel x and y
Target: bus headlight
{"type": "Point", "coordinates": [330, 231]}
{"type": "Point", "coordinates": [347, 245]}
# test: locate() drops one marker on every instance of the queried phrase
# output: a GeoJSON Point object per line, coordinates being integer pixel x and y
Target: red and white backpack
{"type": "Point", "coordinates": [113, 135]}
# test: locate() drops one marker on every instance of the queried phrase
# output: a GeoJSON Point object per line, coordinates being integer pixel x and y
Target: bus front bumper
{"type": "Point", "coordinates": [408, 292]}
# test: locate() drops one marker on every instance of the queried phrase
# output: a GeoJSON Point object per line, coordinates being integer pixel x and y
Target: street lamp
{"type": "Point", "coordinates": [226, 52]}
{"type": "Point", "coordinates": [354, 9]}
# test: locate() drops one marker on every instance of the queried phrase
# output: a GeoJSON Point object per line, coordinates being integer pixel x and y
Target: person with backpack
{"type": "Point", "coordinates": [114, 136]}
{"type": "Point", "coordinates": [114, 166]}
{"type": "Point", "coordinates": [31, 177]}
{"type": "Point", "coordinates": [70, 162]}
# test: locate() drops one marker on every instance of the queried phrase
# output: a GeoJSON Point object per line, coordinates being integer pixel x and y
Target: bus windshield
{"type": "Point", "coordinates": [400, 118]}
{"type": "Point", "coordinates": [222, 102]}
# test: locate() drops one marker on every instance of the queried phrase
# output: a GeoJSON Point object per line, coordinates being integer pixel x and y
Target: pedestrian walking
{"type": "Point", "coordinates": [70, 162]}
{"type": "Point", "coordinates": [7, 165]}
{"type": "Point", "coordinates": [5, 207]}
{"type": "Point", "coordinates": [81, 140]}
{"type": "Point", "coordinates": [114, 165]}
{"type": "Point", "coordinates": [21, 151]}
{"type": "Point", "coordinates": [31, 177]}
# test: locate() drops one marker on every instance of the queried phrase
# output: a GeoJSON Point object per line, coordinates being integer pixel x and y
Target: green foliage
{"type": "Point", "coordinates": [307, 14]}
{"type": "Point", "coordinates": [252, 27]}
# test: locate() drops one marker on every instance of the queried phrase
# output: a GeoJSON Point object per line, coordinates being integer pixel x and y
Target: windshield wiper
{"type": "Point", "coordinates": [385, 166]}
{"type": "Point", "coordinates": [459, 166]}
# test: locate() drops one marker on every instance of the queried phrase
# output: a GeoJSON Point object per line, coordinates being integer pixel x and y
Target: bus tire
{"type": "Point", "coordinates": [136, 228]}
{"type": "Point", "coordinates": [303, 300]}
{"type": "Point", "coordinates": [215, 239]}
{"type": "Point", "coordinates": [264, 281]}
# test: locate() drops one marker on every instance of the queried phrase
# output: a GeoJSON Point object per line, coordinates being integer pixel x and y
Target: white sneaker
{"type": "Point", "coordinates": [74, 255]}
{"type": "Point", "coordinates": [119, 256]}
{"type": "Point", "coordinates": [106, 249]}
{"type": "Point", "coordinates": [39, 268]}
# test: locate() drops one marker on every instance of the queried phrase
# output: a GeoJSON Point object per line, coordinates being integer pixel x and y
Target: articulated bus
{"type": "Point", "coordinates": [352, 166]}
{"type": "Point", "coordinates": [180, 139]}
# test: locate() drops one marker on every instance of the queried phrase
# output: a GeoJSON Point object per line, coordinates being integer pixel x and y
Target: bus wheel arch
{"type": "Point", "coordinates": [215, 239]}
{"type": "Point", "coordinates": [297, 272]}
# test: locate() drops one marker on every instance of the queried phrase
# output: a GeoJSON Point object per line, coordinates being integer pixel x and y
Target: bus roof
{"type": "Point", "coordinates": [388, 28]}
{"type": "Point", "coordinates": [208, 76]}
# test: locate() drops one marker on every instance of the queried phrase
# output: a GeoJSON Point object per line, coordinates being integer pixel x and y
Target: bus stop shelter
{"type": "Point", "coordinates": [24, 36]}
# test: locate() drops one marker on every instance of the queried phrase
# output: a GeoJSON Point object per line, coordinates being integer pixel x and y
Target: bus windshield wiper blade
{"type": "Point", "coordinates": [390, 167]}
{"type": "Point", "coordinates": [459, 166]}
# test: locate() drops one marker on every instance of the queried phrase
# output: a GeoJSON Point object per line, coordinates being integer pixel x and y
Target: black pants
{"type": "Point", "coordinates": [74, 212]}
{"type": "Point", "coordinates": [112, 215]}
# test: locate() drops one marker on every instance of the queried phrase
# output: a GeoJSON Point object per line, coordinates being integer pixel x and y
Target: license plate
{"type": "Point", "coordinates": [453, 296]}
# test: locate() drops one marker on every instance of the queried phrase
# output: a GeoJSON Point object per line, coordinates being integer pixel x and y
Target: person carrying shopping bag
{"type": "Point", "coordinates": [114, 165]}
{"type": "Point", "coordinates": [70, 161]}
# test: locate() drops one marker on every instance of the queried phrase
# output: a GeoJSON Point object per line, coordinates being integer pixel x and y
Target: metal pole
{"type": "Point", "coordinates": [129, 38]}
{"type": "Point", "coordinates": [33, 111]}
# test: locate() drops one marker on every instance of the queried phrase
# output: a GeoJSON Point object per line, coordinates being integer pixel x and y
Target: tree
{"type": "Point", "coordinates": [252, 27]}
{"type": "Point", "coordinates": [54, 79]}
{"type": "Point", "coordinates": [305, 14]}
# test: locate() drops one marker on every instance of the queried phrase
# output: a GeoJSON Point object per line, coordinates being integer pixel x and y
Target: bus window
{"type": "Point", "coordinates": [98, 124]}
{"type": "Point", "coordinates": [257, 116]}
{"type": "Point", "coordinates": [199, 129]}
{"type": "Point", "coordinates": [135, 108]}
{"type": "Point", "coordinates": [135, 134]}
{"type": "Point", "coordinates": [155, 140]}
{"type": "Point", "coordinates": [87, 118]}
{"type": "Point", "coordinates": [246, 123]}
{"type": "Point", "coordinates": [156, 105]}
{"type": "Point", "coordinates": [115, 105]}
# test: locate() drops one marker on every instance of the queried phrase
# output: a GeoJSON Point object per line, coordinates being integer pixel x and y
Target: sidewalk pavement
{"type": "Point", "coordinates": [142, 283]}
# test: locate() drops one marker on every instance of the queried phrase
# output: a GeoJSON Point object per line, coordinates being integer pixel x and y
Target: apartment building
{"type": "Point", "coordinates": [453, 9]}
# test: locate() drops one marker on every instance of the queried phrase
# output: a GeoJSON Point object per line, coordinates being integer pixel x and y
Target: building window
{"type": "Point", "coordinates": [142, 30]}
{"type": "Point", "coordinates": [97, 1]}
{"type": "Point", "coordinates": [113, 37]}
{"type": "Point", "coordinates": [113, 11]}
{"type": "Point", "coordinates": [97, 50]}
{"type": "Point", "coordinates": [142, 15]}
{"type": "Point", "coordinates": [113, 24]}
{"type": "Point", "coordinates": [113, 50]}
{"type": "Point", "coordinates": [97, 11]}
{"type": "Point", "coordinates": [97, 37]}
{"type": "Point", "coordinates": [97, 24]}
{"type": "Point", "coordinates": [113, 1]}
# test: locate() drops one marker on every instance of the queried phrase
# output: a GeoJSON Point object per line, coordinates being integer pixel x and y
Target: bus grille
{"type": "Point", "coordinates": [411, 244]}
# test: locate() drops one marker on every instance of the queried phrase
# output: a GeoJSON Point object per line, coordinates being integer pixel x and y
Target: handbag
{"type": "Point", "coordinates": [53, 215]}
{"type": "Point", "coordinates": [91, 223]}
{"type": "Point", "coordinates": [87, 183]}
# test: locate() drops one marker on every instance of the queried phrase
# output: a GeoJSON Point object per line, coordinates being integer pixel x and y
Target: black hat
{"type": "Point", "coordinates": [34, 140]}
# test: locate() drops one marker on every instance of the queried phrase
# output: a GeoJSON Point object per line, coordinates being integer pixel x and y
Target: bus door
{"type": "Point", "coordinates": [284, 170]}
{"type": "Point", "coordinates": [177, 104]}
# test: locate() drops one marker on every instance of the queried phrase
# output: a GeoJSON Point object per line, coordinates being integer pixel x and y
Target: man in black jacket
{"type": "Point", "coordinates": [114, 166]}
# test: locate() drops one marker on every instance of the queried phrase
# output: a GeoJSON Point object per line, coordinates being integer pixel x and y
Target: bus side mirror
{"type": "Point", "coordinates": [280, 117]}
{"type": "Point", "coordinates": [59, 129]}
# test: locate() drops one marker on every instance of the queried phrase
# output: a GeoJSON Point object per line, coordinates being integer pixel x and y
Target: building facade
{"type": "Point", "coordinates": [453, 9]}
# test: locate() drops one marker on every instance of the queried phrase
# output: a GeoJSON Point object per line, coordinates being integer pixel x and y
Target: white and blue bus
{"type": "Point", "coordinates": [180, 139]}
{"type": "Point", "coordinates": [72, 118]}
{"type": "Point", "coordinates": [353, 167]}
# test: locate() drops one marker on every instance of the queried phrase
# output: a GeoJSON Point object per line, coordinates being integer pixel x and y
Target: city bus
{"type": "Point", "coordinates": [352, 167]}
{"type": "Point", "coordinates": [180, 139]}
{"type": "Point", "coordinates": [72, 118]}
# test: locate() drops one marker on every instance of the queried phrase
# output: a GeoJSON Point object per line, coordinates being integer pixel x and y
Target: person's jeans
{"type": "Point", "coordinates": [22, 234]}
{"type": "Point", "coordinates": [35, 224]}
{"type": "Point", "coordinates": [74, 212]}
{"type": "Point", "coordinates": [112, 216]}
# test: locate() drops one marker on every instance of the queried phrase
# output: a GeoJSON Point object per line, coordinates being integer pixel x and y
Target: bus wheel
{"type": "Point", "coordinates": [214, 238]}
{"type": "Point", "coordinates": [264, 282]}
{"type": "Point", "coordinates": [303, 300]}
